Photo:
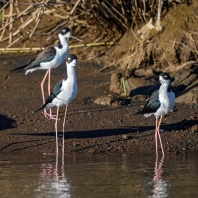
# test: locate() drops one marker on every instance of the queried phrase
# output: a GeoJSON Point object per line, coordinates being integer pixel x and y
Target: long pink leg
{"type": "Point", "coordinates": [49, 90]}
{"type": "Point", "coordinates": [158, 168]}
{"type": "Point", "coordinates": [42, 91]}
{"type": "Point", "coordinates": [156, 144]}
{"type": "Point", "coordinates": [64, 128]}
{"type": "Point", "coordinates": [56, 129]}
{"type": "Point", "coordinates": [56, 167]}
{"type": "Point", "coordinates": [158, 130]}
{"type": "Point", "coordinates": [43, 96]}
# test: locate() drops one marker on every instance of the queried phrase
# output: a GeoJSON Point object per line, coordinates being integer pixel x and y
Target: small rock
{"type": "Point", "coordinates": [124, 137]}
{"type": "Point", "coordinates": [104, 100]}
{"type": "Point", "coordinates": [193, 117]}
{"type": "Point", "coordinates": [115, 104]}
{"type": "Point", "coordinates": [140, 72]}
{"type": "Point", "coordinates": [89, 114]}
{"type": "Point", "coordinates": [194, 128]}
{"type": "Point", "coordinates": [91, 151]}
{"type": "Point", "coordinates": [76, 144]}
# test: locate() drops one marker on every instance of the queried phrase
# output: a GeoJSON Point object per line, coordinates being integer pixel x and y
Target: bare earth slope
{"type": "Point", "coordinates": [90, 128]}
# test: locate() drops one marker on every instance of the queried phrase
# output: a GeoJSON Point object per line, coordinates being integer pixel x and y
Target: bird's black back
{"type": "Point", "coordinates": [152, 104]}
{"type": "Point", "coordinates": [55, 91]}
{"type": "Point", "coordinates": [45, 56]}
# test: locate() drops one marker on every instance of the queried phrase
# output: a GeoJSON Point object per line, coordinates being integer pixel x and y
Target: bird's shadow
{"type": "Point", "coordinates": [6, 123]}
{"type": "Point", "coordinates": [147, 90]}
{"type": "Point", "coordinates": [133, 132]}
{"type": "Point", "coordinates": [118, 131]}
{"type": "Point", "coordinates": [181, 89]}
{"type": "Point", "coordinates": [144, 90]}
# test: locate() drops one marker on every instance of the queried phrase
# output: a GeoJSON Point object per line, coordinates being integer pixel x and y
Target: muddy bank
{"type": "Point", "coordinates": [90, 128]}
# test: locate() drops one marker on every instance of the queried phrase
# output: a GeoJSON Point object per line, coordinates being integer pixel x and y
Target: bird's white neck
{"type": "Point", "coordinates": [63, 41]}
{"type": "Point", "coordinates": [163, 89]}
{"type": "Point", "coordinates": [71, 72]}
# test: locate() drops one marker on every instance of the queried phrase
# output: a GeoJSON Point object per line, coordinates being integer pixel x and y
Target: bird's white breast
{"type": "Point", "coordinates": [58, 59]}
{"type": "Point", "coordinates": [67, 94]}
{"type": "Point", "coordinates": [167, 100]}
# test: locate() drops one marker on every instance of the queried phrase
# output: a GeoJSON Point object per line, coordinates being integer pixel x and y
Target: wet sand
{"type": "Point", "coordinates": [90, 128]}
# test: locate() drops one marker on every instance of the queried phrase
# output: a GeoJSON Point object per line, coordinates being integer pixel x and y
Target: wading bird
{"type": "Point", "coordinates": [63, 93]}
{"type": "Point", "coordinates": [50, 58]}
{"type": "Point", "coordinates": [159, 104]}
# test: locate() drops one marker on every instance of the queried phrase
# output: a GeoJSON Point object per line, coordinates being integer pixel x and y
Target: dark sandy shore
{"type": "Point", "coordinates": [90, 128]}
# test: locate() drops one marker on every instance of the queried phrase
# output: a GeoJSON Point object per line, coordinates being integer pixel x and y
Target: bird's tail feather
{"type": "Point", "coordinates": [22, 67]}
{"type": "Point", "coordinates": [139, 112]}
{"type": "Point", "coordinates": [18, 69]}
{"type": "Point", "coordinates": [40, 108]}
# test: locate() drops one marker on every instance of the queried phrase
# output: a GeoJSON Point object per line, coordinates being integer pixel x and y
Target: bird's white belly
{"type": "Point", "coordinates": [67, 94]}
{"type": "Point", "coordinates": [57, 61]}
{"type": "Point", "coordinates": [167, 104]}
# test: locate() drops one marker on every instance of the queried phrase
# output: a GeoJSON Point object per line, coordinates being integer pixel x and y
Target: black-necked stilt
{"type": "Point", "coordinates": [50, 58]}
{"type": "Point", "coordinates": [159, 104]}
{"type": "Point", "coordinates": [63, 93]}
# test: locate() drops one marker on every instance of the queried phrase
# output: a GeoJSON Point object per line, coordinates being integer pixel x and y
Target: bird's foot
{"type": "Point", "coordinates": [49, 116]}
{"type": "Point", "coordinates": [52, 117]}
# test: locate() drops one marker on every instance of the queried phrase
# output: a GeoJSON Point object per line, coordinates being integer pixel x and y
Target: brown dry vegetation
{"type": "Point", "coordinates": [173, 49]}
{"type": "Point", "coordinates": [95, 128]}
{"type": "Point", "coordinates": [27, 21]}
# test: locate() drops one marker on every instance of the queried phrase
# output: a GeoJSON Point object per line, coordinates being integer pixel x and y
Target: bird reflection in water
{"type": "Point", "coordinates": [53, 180]}
{"type": "Point", "coordinates": [160, 186]}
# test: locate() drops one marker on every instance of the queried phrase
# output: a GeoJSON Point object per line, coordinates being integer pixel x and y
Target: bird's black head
{"type": "Point", "coordinates": [165, 76]}
{"type": "Point", "coordinates": [64, 30]}
{"type": "Point", "coordinates": [71, 57]}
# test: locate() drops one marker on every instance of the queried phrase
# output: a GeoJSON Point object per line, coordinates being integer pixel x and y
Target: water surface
{"type": "Point", "coordinates": [44, 175]}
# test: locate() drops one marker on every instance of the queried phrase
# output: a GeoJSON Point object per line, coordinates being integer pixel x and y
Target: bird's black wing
{"type": "Point", "coordinates": [45, 56]}
{"type": "Point", "coordinates": [152, 104]}
{"type": "Point", "coordinates": [22, 67]}
{"type": "Point", "coordinates": [55, 91]}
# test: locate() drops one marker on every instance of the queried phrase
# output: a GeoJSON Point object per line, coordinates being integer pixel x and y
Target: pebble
{"type": "Point", "coordinates": [194, 128]}
{"type": "Point", "coordinates": [124, 137]}
{"type": "Point", "coordinates": [92, 151]}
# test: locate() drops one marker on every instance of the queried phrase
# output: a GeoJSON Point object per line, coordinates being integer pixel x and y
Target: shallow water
{"type": "Point", "coordinates": [102, 175]}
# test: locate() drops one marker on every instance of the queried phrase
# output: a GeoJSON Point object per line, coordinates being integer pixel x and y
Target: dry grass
{"type": "Point", "coordinates": [173, 56]}
{"type": "Point", "coordinates": [23, 22]}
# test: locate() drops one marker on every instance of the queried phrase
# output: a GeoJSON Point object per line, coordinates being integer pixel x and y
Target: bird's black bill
{"type": "Point", "coordinates": [22, 67]}
{"type": "Point", "coordinates": [79, 67]}
{"type": "Point", "coordinates": [76, 38]}
{"type": "Point", "coordinates": [39, 109]}
{"type": "Point", "coordinates": [153, 86]}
